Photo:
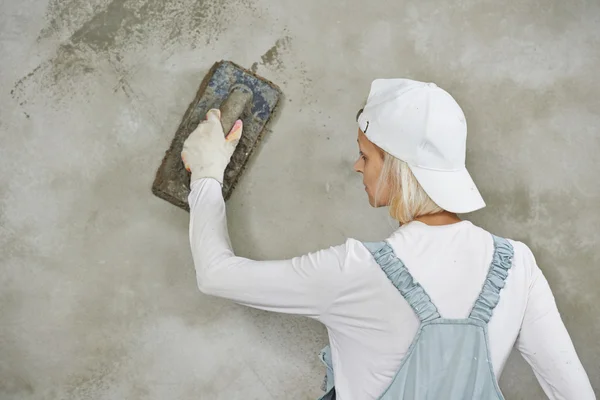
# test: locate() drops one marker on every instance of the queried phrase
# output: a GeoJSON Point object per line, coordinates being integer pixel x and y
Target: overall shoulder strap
{"type": "Point", "coordinates": [397, 272]}
{"type": "Point", "coordinates": [496, 279]}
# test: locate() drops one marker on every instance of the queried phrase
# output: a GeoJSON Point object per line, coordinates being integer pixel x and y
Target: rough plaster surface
{"type": "Point", "coordinates": [98, 296]}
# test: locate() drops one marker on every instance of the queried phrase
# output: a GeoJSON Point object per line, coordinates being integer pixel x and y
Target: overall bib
{"type": "Point", "coordinates": [449, 358]}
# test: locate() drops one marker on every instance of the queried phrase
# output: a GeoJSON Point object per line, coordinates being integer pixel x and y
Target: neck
{"type": "Point", "coordinates": [442, 218]}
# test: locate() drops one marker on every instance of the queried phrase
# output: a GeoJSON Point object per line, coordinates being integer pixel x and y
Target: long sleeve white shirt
{"type": "Point", "coordinates": [370, 325]}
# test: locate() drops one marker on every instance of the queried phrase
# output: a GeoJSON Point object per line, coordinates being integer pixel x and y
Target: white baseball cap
{"type": "Point", "coordinates": [422, 124]}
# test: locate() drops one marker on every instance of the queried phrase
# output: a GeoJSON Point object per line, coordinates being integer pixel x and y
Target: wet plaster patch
{"type": "Point", "coordinates": [285, 68]}
{"type": "Point", "coordinates": [107, 31]}
{"type": "Point", "coordinates": [272, 58]}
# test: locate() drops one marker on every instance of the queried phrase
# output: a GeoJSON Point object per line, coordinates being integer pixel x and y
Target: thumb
{"type": "Point", "coordinates": [233, 137]}
{"type": "Point", "coordinates": [214, 115]}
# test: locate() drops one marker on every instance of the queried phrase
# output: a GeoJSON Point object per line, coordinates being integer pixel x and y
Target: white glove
{"type": "Point", "coordinates": [206, 152]}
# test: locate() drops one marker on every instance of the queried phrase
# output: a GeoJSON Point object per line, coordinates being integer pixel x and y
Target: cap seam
{"type": "Point", "coordinates": [421, 147]}
{"type": "Point", "coordinates": [437, 169]}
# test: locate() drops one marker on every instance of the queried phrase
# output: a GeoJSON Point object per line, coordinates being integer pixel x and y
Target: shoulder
{"type": "Point", "coordinates": [524, 260]}
{"type": "Point", "coordinates": [356, 256]}
{"type": "Point", "coordinates": [361, 250]}
{"type": "Point", "coordinates": [521, 250]}
{"type": "Point", "coordinates": [347, 256]}
{"type": "Point", "coordinates": [522, 255]}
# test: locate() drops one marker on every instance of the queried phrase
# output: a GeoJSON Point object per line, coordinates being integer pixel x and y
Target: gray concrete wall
{"type": "Point", "coordinates": [97, 295]}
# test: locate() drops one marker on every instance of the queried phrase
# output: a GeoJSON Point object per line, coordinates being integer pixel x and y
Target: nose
{"type": "Point", "coordinates": [358, 166]}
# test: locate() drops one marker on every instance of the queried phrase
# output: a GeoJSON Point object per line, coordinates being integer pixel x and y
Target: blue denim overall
{"type": "Point", "coordinates": [449, 358]}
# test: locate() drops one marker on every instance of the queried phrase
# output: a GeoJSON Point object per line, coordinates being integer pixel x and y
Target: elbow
{"type": "Point", "coordinates": [202, 287]}
{"type": "Point", "coordinates": [211, 281]}
{"type": "Point", "coordinates": [204, 283]}
{"type": "Point", "coordinates": [214, 278]}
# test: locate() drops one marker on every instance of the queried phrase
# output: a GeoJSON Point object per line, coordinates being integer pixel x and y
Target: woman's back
{"type": "Point", "coordinates": [412, 158]}
{"type": "Point", "coordinates": [371, 326]}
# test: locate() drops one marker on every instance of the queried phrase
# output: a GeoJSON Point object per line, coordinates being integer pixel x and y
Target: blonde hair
{"type": "Point", "coordinates": [407, 199]}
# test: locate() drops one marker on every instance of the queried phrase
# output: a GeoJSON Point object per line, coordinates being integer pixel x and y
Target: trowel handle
{"type": "Point", "coordinates": [233, 107]}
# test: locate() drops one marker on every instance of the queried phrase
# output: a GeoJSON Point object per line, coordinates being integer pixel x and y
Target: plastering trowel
{"type": "Point", "coordinates": [239, 94]}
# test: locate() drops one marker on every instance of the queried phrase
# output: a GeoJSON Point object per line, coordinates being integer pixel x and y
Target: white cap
{"type": "Point", "coordinates": [422, 124]}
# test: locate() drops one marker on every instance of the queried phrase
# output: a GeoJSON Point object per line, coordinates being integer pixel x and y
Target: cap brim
{"type": "Point", "coordinates": [453, 191]}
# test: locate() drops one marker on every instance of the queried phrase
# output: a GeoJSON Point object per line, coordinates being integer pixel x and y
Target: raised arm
{"type": "Point", "coordinates": [302, 285]}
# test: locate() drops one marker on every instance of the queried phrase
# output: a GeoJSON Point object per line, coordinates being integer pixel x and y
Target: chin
{"type": "Point", "coordinates": [372, 202]}
{"type": "Point", "coordinates": [375, 205]}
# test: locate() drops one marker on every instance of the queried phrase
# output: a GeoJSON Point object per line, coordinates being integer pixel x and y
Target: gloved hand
{"type": "Point", "coordinates": [206, 152]}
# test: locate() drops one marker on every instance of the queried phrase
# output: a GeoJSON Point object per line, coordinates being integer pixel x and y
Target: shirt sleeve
{"type": "Point", "coordinates": [301, 285]}
{"type": "Point", "coordinates": [546, 345]}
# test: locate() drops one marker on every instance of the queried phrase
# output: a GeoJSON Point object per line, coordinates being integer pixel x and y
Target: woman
{"type": "Point", "coordinates": [455, 280]}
